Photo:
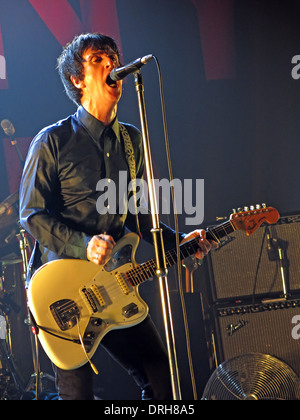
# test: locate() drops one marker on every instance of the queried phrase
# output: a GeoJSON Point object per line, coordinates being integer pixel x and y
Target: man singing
{"type": "Point", "coordinates": [58, 204]}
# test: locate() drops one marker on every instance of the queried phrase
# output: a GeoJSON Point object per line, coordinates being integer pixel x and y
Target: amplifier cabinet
{"type": "Point", "coordinates": [271, 328]}
{"type": "Point", "coordinates": [254, 265]}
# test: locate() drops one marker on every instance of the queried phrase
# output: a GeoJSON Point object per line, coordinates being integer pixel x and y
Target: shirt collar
{"type": "Point", "coordinates": [95, 127]}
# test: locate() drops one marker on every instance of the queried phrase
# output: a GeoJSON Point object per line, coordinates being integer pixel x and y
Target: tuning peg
{"type": "Point", "coordinates": [252, 207]}
{"type": "Point", "coordinates": [246, 208]}
{"type": "Point", "coordinates": [218, 218]}
{"type": "Point", "coordinates": [258, 206]}
{"type": "Point", "coordinates": [240, 209]}
{"type": "Point", "coordinates": [264, 205]}
{"type": "Point", "coordinates": [233, 210]}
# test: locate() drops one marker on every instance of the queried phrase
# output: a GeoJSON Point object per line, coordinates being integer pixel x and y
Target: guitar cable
{"type": "Point", "coordinates": [36, 328]}
{"type": "Point", "coordinates": [180, 287]}
{"type": "Point", "coordinates": [85, 352]}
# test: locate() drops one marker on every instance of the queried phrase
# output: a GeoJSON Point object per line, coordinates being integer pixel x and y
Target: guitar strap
{"type": "Point", "coordinates": [132, 169]}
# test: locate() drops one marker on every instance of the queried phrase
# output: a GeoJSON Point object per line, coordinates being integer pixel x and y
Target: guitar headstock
{"type": "Point", "coordinates": [251, 218]}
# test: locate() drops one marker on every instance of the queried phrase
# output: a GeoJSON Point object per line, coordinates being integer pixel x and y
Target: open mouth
{"type": "Point", "coordinates": [111, 82]}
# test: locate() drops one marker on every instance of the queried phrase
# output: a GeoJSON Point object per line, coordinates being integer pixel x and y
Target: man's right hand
{"type": "Point", "coordinates": [99, 248]}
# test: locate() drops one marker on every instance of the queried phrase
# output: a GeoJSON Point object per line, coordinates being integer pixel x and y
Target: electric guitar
{"type": "Point", "coordinates": [74, 303]}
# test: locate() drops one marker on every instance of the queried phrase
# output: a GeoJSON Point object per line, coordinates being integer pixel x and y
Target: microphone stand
{"type": "Point", "coordinates": [161, 267]}
{"type": "Point", "coordinates": [14, 143]}
{"type": "Point", "coordinates": [276, 251]}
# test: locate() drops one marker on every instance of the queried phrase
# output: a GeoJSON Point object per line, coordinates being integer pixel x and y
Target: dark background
{"type": "Point", "coordinates": [231, 101]}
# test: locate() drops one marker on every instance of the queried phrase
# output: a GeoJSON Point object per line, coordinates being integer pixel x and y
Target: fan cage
{"type": "Point", "coordinates": [253, 376]}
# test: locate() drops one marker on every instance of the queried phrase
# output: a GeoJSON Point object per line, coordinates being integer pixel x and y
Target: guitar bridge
{"type": "Point", "coordinates": [66, 313]}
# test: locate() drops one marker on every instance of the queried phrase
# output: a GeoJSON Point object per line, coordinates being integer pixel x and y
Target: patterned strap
{"type": "Point", "coordinates": [132, 168]}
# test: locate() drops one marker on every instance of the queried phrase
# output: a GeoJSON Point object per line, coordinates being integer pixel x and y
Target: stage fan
{"type": "Point", "coordinates": [253, 376]}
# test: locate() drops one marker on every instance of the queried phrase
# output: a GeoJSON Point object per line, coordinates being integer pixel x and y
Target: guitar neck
{"type": "Point", "coordinates": [145, 271]}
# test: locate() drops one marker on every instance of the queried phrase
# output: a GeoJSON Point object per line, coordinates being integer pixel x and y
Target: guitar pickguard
{"type": "Point", "coordinates": [119, 258]}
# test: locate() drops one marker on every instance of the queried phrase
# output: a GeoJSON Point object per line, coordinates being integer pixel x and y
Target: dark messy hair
{"type": "Point", "coordinates": [69, 63]}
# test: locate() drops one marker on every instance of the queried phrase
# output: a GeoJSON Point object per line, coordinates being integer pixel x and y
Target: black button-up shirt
{"type": "Point", "coordinates": [58, 192]}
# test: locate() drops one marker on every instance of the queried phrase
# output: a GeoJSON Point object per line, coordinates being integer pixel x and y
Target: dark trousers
{"type": "Point", "coordinates": [139, 350]}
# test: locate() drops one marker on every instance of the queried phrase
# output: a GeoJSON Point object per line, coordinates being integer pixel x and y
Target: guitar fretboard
{"type": "Point", "coordinates": [147, 270]}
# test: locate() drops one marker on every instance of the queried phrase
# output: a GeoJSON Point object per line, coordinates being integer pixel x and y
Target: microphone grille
{"type": "Point", "coordinates": [8, 127]}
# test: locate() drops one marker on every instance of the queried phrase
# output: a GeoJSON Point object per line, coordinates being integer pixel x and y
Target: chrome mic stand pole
{"type": "Point", "coordinates": [161, 268]}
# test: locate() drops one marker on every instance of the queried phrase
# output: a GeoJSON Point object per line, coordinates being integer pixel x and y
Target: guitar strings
{"type": "Point", "coordinates": [140, 273]}
{"type": "Point", "coordinates": [143, 272]}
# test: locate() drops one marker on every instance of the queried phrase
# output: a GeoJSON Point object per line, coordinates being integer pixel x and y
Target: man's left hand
{"type": "Point", "coordinates": [205, 245]}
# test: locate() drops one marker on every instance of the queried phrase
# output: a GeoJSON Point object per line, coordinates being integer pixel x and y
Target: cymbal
{"type": "Point", "coordinates": [9, 217]}
{"type": "Point", "coordinates": [13, 260]}
{"type": "Point", "coordinates": [9, 211]}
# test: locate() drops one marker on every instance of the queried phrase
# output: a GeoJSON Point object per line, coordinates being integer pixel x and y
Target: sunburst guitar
{"type": "Point", "coordinates": [74, 303]}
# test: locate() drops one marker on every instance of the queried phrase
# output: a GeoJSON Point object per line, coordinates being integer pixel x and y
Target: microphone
{"type": "Point", "coordinates": [9, 130]}
{"type": "Point", "coordinates": [120, 72]}
{"type": "Point", "coordinates": [8, 127]}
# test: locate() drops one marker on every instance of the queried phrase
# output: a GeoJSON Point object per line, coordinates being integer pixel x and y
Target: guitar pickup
{"type": "Point", "coordinates": [129, 310]}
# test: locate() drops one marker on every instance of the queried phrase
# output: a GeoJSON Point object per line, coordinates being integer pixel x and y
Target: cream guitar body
{"type": "Point", "coordinates": [73, 298]}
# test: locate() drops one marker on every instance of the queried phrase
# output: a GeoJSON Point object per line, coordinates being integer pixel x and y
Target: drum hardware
{"type": "Point", "coordinates": [11, 384]}
{"type": "Point", "coordinates": [15, 247]}
{"type": "Point", "coordinates": [11, 381]}
{"type": "Point", "coordinates": [9, 220]}
{"type": "Point", "coordinates": [23, 245]}
{"type": "Point", "coordinates": [7, 303]}
{"type": "Point", "coordinates": [38, 376]}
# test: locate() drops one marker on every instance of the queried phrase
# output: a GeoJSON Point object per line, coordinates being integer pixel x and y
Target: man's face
{"type": "Point", "coordinates": [97, 66]}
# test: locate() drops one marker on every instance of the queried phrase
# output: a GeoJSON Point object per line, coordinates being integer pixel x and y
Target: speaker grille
{"type": "Point", "coordinates": [243, 266]}
{"type": "Point", "coordinates": [268, 331]}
